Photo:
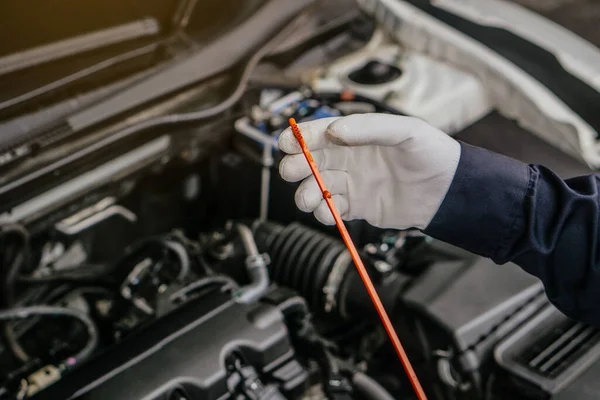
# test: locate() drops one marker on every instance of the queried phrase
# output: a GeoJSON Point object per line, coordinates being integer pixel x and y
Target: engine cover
{"type": "Point", "coordinates": [552, 356]}
{"type": "Point", "coordinates": [183, 356]}
{"type": "Point", "coordinates": [443, 296]}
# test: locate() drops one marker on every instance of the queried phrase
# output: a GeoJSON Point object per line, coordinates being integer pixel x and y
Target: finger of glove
{"type": "Point", "coordinates": [313, 133]}
{"type": "Point", "coordinates": [309, 195]}
{"type": "Point", "coordinates": [294, 168]}
{"type": "Point", "coordinates": [323, 213]}
{"type": "Point", "coordinates": [373, 129]}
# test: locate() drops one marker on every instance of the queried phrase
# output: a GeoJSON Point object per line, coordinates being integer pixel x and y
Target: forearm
{"type": "Point", "coordinates": [510, 211]}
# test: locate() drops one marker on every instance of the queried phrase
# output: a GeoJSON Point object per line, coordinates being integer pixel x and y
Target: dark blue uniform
{"type": "Point", "coordinates": [509, 211]}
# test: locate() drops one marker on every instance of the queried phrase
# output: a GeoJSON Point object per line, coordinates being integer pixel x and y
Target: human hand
{"type": "Point", "coordinates": [391, 171]}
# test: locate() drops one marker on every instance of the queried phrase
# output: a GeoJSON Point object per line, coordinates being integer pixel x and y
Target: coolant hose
{"type": "Point", "coordinates": [369, 387]}
{"type": "Point", "coordinates": [256, 265]}
{"type": "Point", "coordinates": [247, 239]}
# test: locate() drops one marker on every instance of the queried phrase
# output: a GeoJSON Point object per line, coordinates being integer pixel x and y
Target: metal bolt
{"type": "Point", "coordinates": [382, 266]}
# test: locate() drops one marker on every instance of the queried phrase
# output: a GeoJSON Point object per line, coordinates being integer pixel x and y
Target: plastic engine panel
{"type": "Point", "coordinates": [194, 342]}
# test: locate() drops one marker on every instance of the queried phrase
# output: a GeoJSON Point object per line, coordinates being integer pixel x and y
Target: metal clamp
{"type": "Point", "coordinates": [258, 260]}
{"type": "Point", "coordinates": [334, 280]}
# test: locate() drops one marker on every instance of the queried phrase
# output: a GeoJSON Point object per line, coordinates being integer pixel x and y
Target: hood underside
{"type": "Point", "coordinates": [581, 17]}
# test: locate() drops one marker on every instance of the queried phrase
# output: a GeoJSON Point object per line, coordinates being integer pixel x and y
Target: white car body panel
{"type": "Point", "coordinates": [514, 93]}
{"type": "Point", "coordinates": [575, 54]}
{"type": "Point", "coordinates": [444, 96]}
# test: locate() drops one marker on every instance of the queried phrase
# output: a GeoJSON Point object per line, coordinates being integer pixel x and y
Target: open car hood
{"type": "Point", "coordinates": [97, 68]}
{"type": "Point", "coordinates": [47, 40]}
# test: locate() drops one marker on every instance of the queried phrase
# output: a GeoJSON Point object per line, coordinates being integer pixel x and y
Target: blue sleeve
{"type": "Point", "coordinates": [509, 211]}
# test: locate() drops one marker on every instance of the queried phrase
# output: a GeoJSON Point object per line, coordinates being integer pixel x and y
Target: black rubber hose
{"type": "Point", "coordinates": [319, 267]}
{"type": "Point", "coordinates": [92, 331]}
{"type": "Point", "coordinates": [370, 388]}
{"type": "Point", "coordinates": [14, 265]}
{"type": "Point", "coordinates": [301, 258]}
{"type": "Point", "coordinates": [12, 271]}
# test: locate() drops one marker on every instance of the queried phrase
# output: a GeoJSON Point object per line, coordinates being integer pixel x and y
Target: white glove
{"type": "Point", "coordinates": [391, 171]}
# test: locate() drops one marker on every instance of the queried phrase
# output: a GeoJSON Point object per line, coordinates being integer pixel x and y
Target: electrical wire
{"type": "Point", "coordinates": [321, 34]}
{"type": "Point", "coordinates": [50, 311]}
{"type": "Point", "coordinates": [387, 323]}
{"type": "Point", "coordinates": [227, 103]}
{"type": "Point", "coordinates": [57, 296]}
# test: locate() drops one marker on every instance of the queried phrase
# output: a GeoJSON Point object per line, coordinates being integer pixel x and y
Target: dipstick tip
{"type": "Point", "coordinates": [296, 131]}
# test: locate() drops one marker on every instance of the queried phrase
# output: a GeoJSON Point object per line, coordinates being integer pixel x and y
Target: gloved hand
{"type": "Point", "coordinates": [391, 171]}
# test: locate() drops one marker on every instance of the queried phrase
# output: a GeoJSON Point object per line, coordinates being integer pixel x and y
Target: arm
{"type": "Point", "coordinates": [399, 172]}
{"type": "Point", "coordinates": [503, 209]}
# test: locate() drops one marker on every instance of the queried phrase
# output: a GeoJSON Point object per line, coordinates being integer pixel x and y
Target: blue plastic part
{"type": "Point", "coordinates": [306, 111]}
{"type": "Point", "coordinates": [262, 127]}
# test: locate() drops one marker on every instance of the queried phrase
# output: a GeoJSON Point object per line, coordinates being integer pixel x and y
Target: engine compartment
{"type": "Point", "coordinates": [175, 265]}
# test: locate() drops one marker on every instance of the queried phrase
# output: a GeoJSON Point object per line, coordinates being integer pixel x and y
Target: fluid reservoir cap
{"type": "Point", "coordinates": [375, 72]}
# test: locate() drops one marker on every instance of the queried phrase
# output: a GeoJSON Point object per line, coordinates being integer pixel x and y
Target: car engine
{"type": "Point", "coordinates": [169, 262]}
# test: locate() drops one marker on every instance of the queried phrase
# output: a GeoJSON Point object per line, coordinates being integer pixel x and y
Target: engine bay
{"type": "Point", "coordinates": [175, 265]}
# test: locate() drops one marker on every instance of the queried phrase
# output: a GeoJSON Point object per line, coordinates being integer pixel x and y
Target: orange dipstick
{"type": "Point", "coordinates": [359, 265]}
